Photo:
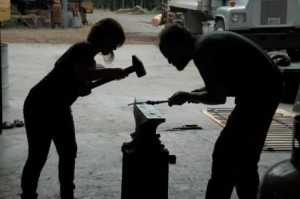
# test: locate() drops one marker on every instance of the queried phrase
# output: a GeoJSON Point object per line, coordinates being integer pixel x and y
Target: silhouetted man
{"type": "Point", "coordinates": [231, 66]}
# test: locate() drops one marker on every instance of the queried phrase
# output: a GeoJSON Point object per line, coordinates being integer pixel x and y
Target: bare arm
{"type": "Point", "coordinates": [115, 73]}
{"type": "Point", "coordinates": [199, 90]}
{"type": "Point", "coordinates": [203, 96]}
{"type": "Point", "coordinates": [89, 73]}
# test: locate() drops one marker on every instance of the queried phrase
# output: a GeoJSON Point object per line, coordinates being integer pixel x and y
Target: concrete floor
{"type": "Point", "coordinates": [104, 121]}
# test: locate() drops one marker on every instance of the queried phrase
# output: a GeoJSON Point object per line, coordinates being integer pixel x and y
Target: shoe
{"type": "Point", "coordinates": [18, 123]}
{"type": "Point", "coordinates": [8, 125]}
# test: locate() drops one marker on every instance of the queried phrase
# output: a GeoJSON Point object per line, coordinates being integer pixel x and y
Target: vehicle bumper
{"type": "Point", "coordinates": [275, 40]}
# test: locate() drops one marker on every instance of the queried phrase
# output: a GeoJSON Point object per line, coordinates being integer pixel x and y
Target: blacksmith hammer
{"type": "Point", "coordinates": [137, 67]}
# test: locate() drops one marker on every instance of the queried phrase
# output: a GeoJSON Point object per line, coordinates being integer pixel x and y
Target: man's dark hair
{"type": "Point", "coordinates": [174, 36]}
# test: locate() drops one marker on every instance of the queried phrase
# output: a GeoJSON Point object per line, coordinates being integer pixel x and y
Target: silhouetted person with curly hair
{"type": "Point", "coordinates": [47, 108]}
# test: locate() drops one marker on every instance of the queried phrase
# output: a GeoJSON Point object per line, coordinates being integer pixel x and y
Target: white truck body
{"type": "Point", "coordinates": [188, 4]}
{"type": "Point", "coordinates": [273, 24]}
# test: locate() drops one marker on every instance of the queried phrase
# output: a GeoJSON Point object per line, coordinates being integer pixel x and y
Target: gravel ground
{"type": "Point", "coordinates": [138, 30]}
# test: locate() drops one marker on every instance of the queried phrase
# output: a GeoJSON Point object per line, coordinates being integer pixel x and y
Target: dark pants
{"type": "Point", "coordinates": [238, 148]}
{"type": "Point", "coordinates": [41, 130]}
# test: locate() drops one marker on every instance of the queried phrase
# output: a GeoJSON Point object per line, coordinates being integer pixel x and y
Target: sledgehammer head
{"type": "Point", "coordinates": [137, 67]}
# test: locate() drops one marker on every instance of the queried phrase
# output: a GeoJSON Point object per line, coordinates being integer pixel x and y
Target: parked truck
{"type": "Point", "coordinates": [273, 24]}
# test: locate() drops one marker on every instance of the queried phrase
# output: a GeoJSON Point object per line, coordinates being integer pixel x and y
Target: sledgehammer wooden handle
{"type": "Point", "coordinates": [137, 66]}
{"type": "Point", "coordinates": [99, 82]}
{"type": "Point", "coordinates": [150, 102]}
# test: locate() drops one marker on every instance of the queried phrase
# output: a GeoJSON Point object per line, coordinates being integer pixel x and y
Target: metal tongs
{"type": "Point", "coordinates": [150, 102]}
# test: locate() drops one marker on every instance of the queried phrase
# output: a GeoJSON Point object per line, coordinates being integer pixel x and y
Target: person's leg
{"type": "Point", "coordinates": [224, 161]}
{"type": "Point", "coordinates": [217, 189]}
{"type": "Point", "coordinates": [237, 151]}
{"type": "Point", "coordinates": [66, 146]}
{"type": "Point", "coordinates": [39, 141]}
{"type": "Point", "coordinates": [248, 179]}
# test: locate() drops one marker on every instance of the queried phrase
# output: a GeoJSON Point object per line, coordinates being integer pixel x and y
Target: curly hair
{"type": "Point", "coordinates": [104, 28]}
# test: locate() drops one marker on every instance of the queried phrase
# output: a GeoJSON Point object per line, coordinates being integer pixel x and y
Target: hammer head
{"type": "Point", "coordinates": [138, 66]}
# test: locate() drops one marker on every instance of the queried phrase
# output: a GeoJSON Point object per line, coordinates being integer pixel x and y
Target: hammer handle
{"type": "Point", "coordinates": [129, 70]}
{"type": "Point", "coordinates": [102, 81]}
{"type": "Point", "coordinates": [150, 102]}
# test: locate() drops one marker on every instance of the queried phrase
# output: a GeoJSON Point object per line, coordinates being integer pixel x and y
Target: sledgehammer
{"type": "Point", "coordinates": [137, 67]}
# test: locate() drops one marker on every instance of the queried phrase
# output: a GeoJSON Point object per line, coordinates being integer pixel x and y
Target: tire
{"type": "Point", "coordinates": [294, 53]}
{"type": "Point", "coordinates": [219, 26]}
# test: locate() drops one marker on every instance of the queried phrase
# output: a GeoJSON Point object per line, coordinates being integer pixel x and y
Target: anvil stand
{"type": "Point", "coordinates": [145, 170]}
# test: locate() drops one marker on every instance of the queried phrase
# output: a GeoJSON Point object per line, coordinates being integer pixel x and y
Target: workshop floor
{"type": "Point", "coordinates": [104, 122]}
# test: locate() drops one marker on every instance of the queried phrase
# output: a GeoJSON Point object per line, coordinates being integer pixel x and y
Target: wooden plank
{"type": "Point", "coordinates": [280, 135]}
{"type": "Point", "coordinates": [21, 16]}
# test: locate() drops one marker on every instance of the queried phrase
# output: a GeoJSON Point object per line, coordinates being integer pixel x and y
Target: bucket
{"type": "Point", "coordinates": [76, 22]}
{"type": "Point", "coordinates": [67, 19]}
{"type": "Point", "coordinates": [4, 68]}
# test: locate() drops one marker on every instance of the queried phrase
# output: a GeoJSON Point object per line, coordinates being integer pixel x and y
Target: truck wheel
{"type": "Point", "coordinates": [219, 25]}
{"type": "Point", "coordinates": [294, 53]}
